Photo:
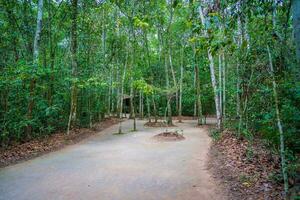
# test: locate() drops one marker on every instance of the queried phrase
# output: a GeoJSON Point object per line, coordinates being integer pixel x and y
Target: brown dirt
{"type": "Point", "coordinates": [169, 136]}
{"type": "Point", "coordinates": [245, 170]}
{"type": "Point", "coordinates": [158, 124]}
{"type": "Point", "coordinates": [25, 151]}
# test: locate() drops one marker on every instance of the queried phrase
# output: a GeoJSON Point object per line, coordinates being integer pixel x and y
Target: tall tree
{"type": "Point", "coordinates": [36, 45]}
{"type": "Point", "coordinates": [296, 25]}
{"type": "Point", "coordinates": [212, 73]}
{"type": "Point", "coordinates": [74, 65]}
{"type": "Point", "coordinates": [279, 123]}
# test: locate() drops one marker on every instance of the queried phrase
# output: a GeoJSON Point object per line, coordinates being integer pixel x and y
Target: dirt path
{"type": "Point", "coordinates": [132, 166]}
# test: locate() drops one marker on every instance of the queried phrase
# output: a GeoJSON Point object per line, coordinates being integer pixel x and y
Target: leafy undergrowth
{"type": "Point", "coordinates": [247, 171]}
{"type": "Point", "coordinates": [36, 147]}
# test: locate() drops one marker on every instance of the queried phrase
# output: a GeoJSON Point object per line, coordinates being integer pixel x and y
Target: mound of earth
{"type": "Point", "coordinates": [169, 136]}
{"type": "Point", "coordinates": [158, 124]}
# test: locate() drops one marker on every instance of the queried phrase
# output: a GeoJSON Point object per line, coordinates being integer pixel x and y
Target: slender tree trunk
{"type": "Point", "coordinates": [149, 66]}
{"type": "Point", "coordinates": [214, 85]}
{"type": "Point", "coordinates": [174, 77]}
{"type": "Point", "coordinates": [224, 87]}
{"type": "Point", "coordinates": [169, 119]}
{"type": "Point", "coordinates": [73, 109]}
{"type": "Point", "coordinates": [131, 99]}
{"type": "Point", "coordinates": [132, 92]}
{"type": "Point", "coordinates": [238, 90]}
{"type": "Point", "coordinates": [279, 124]}
{"type": "Point", "coordinates": [103, 38]}
{"type": "Point", "coordinates": [180, 86]}
{"type": "Point", "coordinates": [118, 102]}
{"type": "Point", "coordinates": [220, 82]}
{"type": "Point", "coordinates": [199, 107]}
{"type": "Point", "coordinates": [213, 77]}
{"type": "Point", "coordinates": [37, 37]}
{"type": "Point", "coordinates": [195, 99]}
{"type": "Point", "coordinates": [90, 101]}
{"type": "Point", "coordinates": [132, 104]}
{"type": "Point", "coordinates": [154, 109]}
{"type": "Point", "coordinates": [140, 104]}
{"type": "Point", "coordinates": [112, 95]}
{"type": "Point", "coordinates": [103, 43]}
{"type": "Point", "coordinates": [164, 51]}
{"type": "Point", "coordinates": [296, 26]}
{"type": "Point", "coordinates": [195, 81]}
{"type": "Point", "coordinates": [109, 95]}
{"type": "Point", "coordinates": [122, 94]}
{"type": "Point", "coordinates": [148, 108]}
{"type": "Point", "coordinates": [36, 45]}
{"type": "Point", "coordinates": [238, 98]}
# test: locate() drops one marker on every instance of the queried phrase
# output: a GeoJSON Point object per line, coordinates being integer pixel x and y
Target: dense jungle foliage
{"type": "Point", "coordinates": [66, 64]}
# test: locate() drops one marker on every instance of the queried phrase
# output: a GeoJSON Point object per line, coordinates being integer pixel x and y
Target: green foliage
{"type": "Point", "coordinates": [146, 36]}
{"type": "Point", "coordinates": [215, 134]}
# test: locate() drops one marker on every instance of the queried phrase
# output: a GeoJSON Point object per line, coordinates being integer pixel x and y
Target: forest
{"type": "Point", "coordinates": [69, 64]}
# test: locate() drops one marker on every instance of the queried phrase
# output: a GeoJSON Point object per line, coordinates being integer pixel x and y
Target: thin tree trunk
{"type": "Point", "coordinates": [169, 119]}
{"type": "Point", "coordinates": [214, 85]}
{"type": "Point", "coordinates": [195, 99]}
{"type": "Point", "coordinates": [220, 82]}
{"type": "Point", "coordinates": [109, 95]}
{"type": "Point", "coordinates": [296, 26]}
{"type": "Point", "coordinates": [199, 107]}
{"type": "Point", "coordinates": [224, 87]}
{"type": "Point", "coordinates": [112, 96]}
{"type": "Point", "coordinates": [154, 109]}
{"type": "Point", "coordinates": [132, 92]}
{"type": "Point", "coordinates": [180, 86]}
{"type": "Point", "coordinates": [238, 98]}
{"type": "Point", "coordinates": [118, 103]}
{"type": "Point", "coordinates": [195, 81]}
{"type": "Point", "coordinates": [213, 78]}
{"type": "Point", "coordinates": [122, 94]}
{"type": "Point", "coordinates": [140, 104]}
{"type": "Point", "coordinates": [36, 45]}
{"type": "Point", "coordinates": [279, 124]}
{"type": "Point", "coordinates": [103, 43]}
{"type": "Point", "coordinates": [148, 108]}
{"type": "Point", "coordinates": [174, 77]}
{"type": "Point", "coordinates": [131, 99]}
{"type": "Point", "coordinates": [132, 104]}
{"type": "Point", "coordinates": [73, 110]}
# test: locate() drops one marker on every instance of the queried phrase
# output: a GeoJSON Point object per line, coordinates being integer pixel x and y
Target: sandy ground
{"type": "Point", "coordinates": [131, 166]}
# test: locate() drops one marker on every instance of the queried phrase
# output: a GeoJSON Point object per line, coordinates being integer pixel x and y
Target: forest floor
{"type": "Point", "coordinates": [127, 166]}
{"type": "Point", "coordinates": [245, 170]}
